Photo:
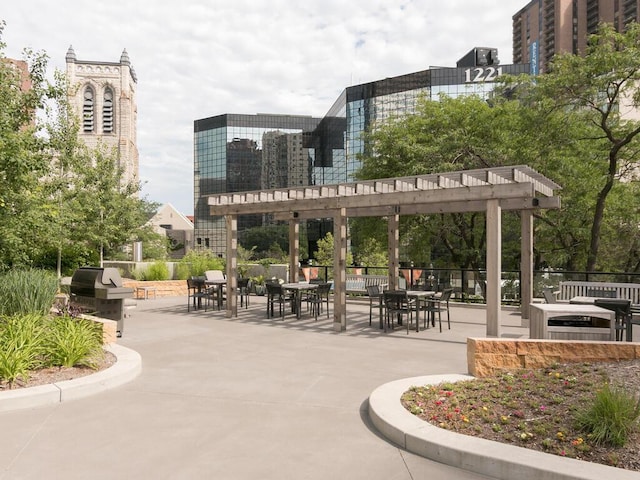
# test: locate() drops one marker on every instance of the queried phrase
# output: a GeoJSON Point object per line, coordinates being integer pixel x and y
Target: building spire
{"type": "Point", "coordinates": [71, 55]}
{"type": "Point", "coordinates": [124, 58]}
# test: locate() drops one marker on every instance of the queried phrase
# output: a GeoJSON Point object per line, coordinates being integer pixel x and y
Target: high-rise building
{"type": "Point", "coordinates": [103, 94]}
{"type": "Point", "coordinates": [236, 153]}
{"type": "Point", "coordinates": [546, 27]}
{"type": "Point", "coordinates": [247, 152]}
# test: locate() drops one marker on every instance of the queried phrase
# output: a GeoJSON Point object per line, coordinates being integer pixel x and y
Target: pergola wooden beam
{"type": "Point", "coordinates": [511, 204]}
{"type": "Point", "coordinates": [350, 199]}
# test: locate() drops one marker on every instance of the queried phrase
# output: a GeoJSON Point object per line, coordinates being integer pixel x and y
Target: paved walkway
{"type": "Point", "coordinates": [244, 398]}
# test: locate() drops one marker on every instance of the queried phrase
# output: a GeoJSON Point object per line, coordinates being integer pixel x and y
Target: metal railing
{"type": "Point", "coordinates": [468, 284]}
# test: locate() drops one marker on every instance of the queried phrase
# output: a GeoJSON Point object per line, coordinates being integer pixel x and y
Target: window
{"type": "Point", "coordinates": [87, 110]}
{"type": "Point", "coordinates": [107, 111]}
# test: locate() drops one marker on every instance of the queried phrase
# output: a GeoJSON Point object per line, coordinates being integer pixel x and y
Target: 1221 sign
{"type": "Point", "coordinates": [482, 74]}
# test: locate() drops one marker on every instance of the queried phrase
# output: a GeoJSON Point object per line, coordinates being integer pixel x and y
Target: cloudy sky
{"type": "Point", "coordinates": [199, 58]}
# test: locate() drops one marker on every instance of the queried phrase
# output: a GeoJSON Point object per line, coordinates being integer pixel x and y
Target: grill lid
{"type": "Point", "coordinates": [86, 280]}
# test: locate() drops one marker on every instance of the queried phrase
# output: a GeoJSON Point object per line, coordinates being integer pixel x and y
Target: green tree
{"type": "Point", "coordinates": [23, 154]}
{"type": "Point", "coordinates": [602, 87]}
{"type": "Point", "coordinates": [324, 254]}
{"type": "Point", "coordinates": [266, 240]}
{"type": "Point", "coordinates": [58, 197]}
{"type": "Point", "coordinates": [569, 124]}
{"type": "Point", "coordinates": [371, 253]}
{"type": "Point", "coordinates": [446, 135]}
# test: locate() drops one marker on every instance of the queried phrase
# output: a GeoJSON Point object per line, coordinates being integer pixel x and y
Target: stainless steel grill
{"type": "Point", "coordinates": [100, 290]}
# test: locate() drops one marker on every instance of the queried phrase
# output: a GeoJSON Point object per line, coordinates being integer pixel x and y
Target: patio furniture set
{"type": "Point", "coordinates": [394, 307]}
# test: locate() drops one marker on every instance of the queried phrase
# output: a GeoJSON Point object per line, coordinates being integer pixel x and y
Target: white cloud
{"type": "Point", "coordinates": [197, 58]}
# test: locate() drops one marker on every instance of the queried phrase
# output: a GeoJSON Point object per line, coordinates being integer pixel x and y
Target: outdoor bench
{"type": "Point", "coordinates": [573, 288]}
{"type": "Point", "coordinates": [357, 284]}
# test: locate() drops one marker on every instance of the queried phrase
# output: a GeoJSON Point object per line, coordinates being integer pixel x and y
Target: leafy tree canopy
{"type": "Point", "coordinates": [572, 124]}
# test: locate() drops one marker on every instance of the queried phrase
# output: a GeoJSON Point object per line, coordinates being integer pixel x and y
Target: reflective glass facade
{"type": "Point", "coordinates": [257, 152]}
{"type": "Point", "coordinates": [235, 153]}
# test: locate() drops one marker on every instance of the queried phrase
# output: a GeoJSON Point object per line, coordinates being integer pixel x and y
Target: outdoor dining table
{"type": "Point", "coordinates": [580, 300]}
{"type": "Point", "coordinates": [296, 289]}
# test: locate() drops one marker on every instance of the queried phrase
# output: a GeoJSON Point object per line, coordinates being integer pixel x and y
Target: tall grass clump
{"type": "Point", "coordinates": [27, 291]}
{"type": "Point", "coordinates": [21, 345]}
{"type": "Point", "coordinates": [73, 342]}
{"type": "Point", "coordinates": [181, 271]}
{"type": "Point", "coordinates": [157, 271]}
{"type": "Point", "coordinates": [612, 416]}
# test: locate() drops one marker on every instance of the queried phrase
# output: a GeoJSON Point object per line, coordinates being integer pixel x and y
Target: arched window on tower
{"type": "Point", "coordinates": [107, 111]}
{"type": "Point", "coordinates": [88, 110]}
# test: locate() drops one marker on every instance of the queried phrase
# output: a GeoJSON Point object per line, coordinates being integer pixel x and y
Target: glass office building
{"type": "Point", "coordinates": [256, 152]}
{"type": "Point", "coordinates": [235, 153]}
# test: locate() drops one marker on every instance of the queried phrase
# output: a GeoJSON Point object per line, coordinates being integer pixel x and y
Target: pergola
{"type": "Point", "coordinates": [489, 190]}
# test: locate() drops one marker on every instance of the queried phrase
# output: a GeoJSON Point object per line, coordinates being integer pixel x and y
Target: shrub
{"type": "Point", "coordinates": [21, 346]}
{"type": "Point", "coordinates": [611, 417]}
{"type": "Point", "coordinates": [27, 291]}
{"type": "Point", "coordinates": [73, 342]}
{"type": "Point", "coordinates": [157, 271]}
{"type": "Point", "coordinates": [201, 261]}
{"type": "Point", "coordinates": [138, 273]}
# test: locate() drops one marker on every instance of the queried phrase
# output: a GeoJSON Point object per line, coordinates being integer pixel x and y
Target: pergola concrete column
{"type": "Point", "coordinates": [232, 265]}
{"type": "Point", "coordinates": [393, 233]}
{"type": "Point", "coordinates": [494, 266]}
{"type": "Point", "coordinates": [294, 249]}
{"type": "Point", "coordinates": [526, 265]}
{"type": "Point", "coordinates": [339, 270]}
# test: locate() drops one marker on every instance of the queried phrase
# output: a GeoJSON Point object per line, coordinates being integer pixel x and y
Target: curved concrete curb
{"type": "Point", "coordinates": [478, 455]}
{"type": "Point", "coordinates": [128, 367]}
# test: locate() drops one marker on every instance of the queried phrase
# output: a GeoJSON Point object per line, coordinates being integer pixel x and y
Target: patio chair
{"type": "Point", "coordinates": [438, 305]}
{"type": "Point", "coordinates": [549, 295]}
{"type": "Point", "coordinates": [622, 308]}
{"type": "Point", "coordinates": [213, 276]}
{"type": "Point", "coordinates": [243, 291]}
{"type": "Point", "coordinates": [398, 305]}
{"type": "Point", "coordinates": [375, 296]}
{"type": "Point", "coordinates": [633, 320]}
{"type": "Point", "coordinates": [276, 295]}
{"type": "Point", "coordinates": [319, 297]}
{"type": "Point", "coordinates": [196, 292]}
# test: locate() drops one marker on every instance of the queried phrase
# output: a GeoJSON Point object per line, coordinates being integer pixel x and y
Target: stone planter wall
{"type": "Point", "coordinates": [488, 356]}
{"type": "Point", "coordinates": [109, 328]}
{"type": "Point", "coordinates": [166, 288]}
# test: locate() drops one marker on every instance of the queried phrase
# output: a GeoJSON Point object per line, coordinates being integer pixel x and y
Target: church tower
{"type": "Point", "coordinates": [103, 95]}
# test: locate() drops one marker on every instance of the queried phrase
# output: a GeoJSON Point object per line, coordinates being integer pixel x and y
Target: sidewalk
{"type": "Point", "coordinates": [242, 398]}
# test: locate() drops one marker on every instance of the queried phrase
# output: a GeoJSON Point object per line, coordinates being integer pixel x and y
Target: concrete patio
{"type": "Point", "coordinates": [243, 398]}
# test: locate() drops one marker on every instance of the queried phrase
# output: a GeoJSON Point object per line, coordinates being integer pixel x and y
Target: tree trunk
{"type": "Point", "coordinates": [598, 216]}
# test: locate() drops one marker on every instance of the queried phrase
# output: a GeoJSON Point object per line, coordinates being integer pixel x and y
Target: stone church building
{"type": "Point", "coordinates": [103, 95]}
